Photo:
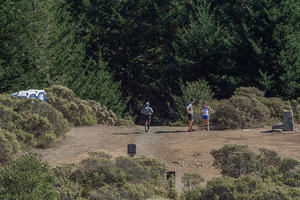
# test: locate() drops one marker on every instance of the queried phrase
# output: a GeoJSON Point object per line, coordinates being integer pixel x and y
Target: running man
{"type": "Point", "coordinates": [147, 111]}
{"type": "Point", "coordinates": [206, 111]}
{"type": "Point", "coordinates": [190, 112]}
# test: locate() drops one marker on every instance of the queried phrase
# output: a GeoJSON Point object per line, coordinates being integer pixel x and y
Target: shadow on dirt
{"type": "Point", "coordinates": [160, 132]}
{"type": "Point", "coordinates": [268, 131]}
{"type": "Point", "coordinates": [134, 133]}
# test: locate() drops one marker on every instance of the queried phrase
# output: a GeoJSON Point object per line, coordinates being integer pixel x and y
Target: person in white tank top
{"type": "Point", "coordinates": [190, 113]}
{"type": "Point", "coordinates": [206, 111]}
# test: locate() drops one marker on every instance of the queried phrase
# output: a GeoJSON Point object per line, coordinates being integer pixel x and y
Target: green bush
{"type": "Point", "coordinates": [276, 107]}
{"type": "Point", "coordinates": [249, 187]}
{"type": "Point", "coordinates": [13, 122]}
{"type": "Point", "coordinates": [78, 111]}
{"type": "Point", "coordinates": [248, 176]}
{"type": "Point", "coordinates": [25, 138]}
{"type": "Point", "coordinates": [30, 106]}
{"type": "Point", "coordinates": [42, 129]}
{"type": "Point", "coordinates": [10, 119]}
{"type": "Point", "coordinates": [191, 181]}
{"type": "Point", "coordinates": [101, 177]}
{"type": "Point", "coordinates": [135, 172]}
{"type": "Point", "coordinates": [37, 125]}
{"type": "Point", "coordinates": [235, 160]}
{"type": "Point", "coordinates": [7, 100]}
{"type": "Point", "coordinates": [104, 116]}
{"type": "Point", "coordinates": [96, 173]}
{"type": "Point", "coordinates": [9, 146]}
{"type": "Point", "coordinates": [240, 112]}
{"type": "Point", "coordinates": [31, 119]}
{"type": "Point", "coordinates": [157, 169]}
{"type": "Point", "coordinates": [68, 190]}
{"type": "Point", "coordinates": [295, 105]}
{"type": "Point", "coordinates": [46, 140]}
{"type": "Point", "coordinates": [27, 178]}
{"type": "Point", "coordinates": [106, 192]}
{"type": "Point", "coordinates": [127, 191]}
{"type": "Point", "coordinates": [249, 92]}
{"type": "Point", "coordinates": [226, 116]}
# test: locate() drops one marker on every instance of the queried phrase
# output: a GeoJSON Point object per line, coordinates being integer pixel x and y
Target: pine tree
{"type": "Point", "coordinates": [37, 42]}
{"type": "Point", "coordinates": [93, 81]}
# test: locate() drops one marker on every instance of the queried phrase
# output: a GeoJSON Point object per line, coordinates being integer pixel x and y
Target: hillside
{"type": "Point", "coordinates": [180, 150]}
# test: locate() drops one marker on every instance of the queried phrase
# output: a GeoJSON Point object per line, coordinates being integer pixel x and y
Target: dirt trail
{"type": "Point", "coordinates": [181, 151]}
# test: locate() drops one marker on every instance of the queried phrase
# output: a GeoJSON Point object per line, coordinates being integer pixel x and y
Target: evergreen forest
{"type": "Point", "coordinates": [122, 53]}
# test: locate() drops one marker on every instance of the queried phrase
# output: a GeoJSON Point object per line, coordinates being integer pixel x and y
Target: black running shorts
{"type": "Point", "coordinates": [190, 116]}
{"type": "Point", "coordinates": [147, 118]}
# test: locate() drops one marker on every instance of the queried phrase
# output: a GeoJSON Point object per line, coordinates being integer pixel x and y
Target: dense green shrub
{"type": "Point", "coordinates": [32, 121]}
{"type": "Point", "coordinates": [9, 146]}
{"type": "Point", "coordinates": [104, 116]}
{"type": "Point", "coordinates": [249, 92]}
{"type": "Point", "coordinates": [235, 160]}
{"type": "Point", "coordinates": [68, 190]}
{"type": "Point", "coordinates": [191, 181]}
{"type": "Point", "coordinates": [100, 177]}
{"type": "Point", "coordinates": [106, 192]}
{"type": "Point", "coordinates": [142, 169]}
{"type": "Point", "coordinates": [250, 176]}
{"type": "Point", "coordinates": [30, 106]}
{"type": "Point", "coordinates": [27, 178]}
{"type": "Point", "coordinates": [295, 105]}
{"type": "Point", "coordinates": [14, 123]}
{"type": "Point", "coordinates": [7, 100]}
{"type": "Point", "coordinates": [276, 107]}
{"type": "Point", "coordinates": [249, 187]}
{"type": "Point", "coordinates": [10, 119]}
{"type": "Point", "coordinates": [240, 112]}
{"type": "Point", "coordinates": [96, 173]}
{"type": "Point", "coordinates": [226, 116]}
{"type": "Point", "coordinates": [42, 130]}
{"type": "Point", "coordinates": [248, 108]}
{"type": "Point", "coordinates": [127, 191]}
{"type": "Point", "coordinates": [46, 140]}
{"type": "Point", "coordinates": [254, 113]}
{"type": "Point", "coordinates": [78, 111]}
{"type": "Point", "coordinates": [37, 125]}
{"type": "Point", "coordinates": [27, 139]}
{"type": "Point", "coordinates": [238, 160]}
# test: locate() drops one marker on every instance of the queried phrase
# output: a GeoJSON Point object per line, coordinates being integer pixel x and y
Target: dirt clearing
{"type": "Point", "coordinates": [181, 151]}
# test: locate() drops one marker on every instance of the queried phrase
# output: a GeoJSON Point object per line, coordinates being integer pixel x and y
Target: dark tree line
{"type": "Point", "coordinates": [122, 53]}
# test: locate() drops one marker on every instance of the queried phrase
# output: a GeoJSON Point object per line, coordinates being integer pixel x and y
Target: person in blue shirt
{"type": "Point", "coordinates": [206, 111]}
{"type": "Point", "coordinates": [147, 111]}
{"type": "Point", "coordinates": [190, 113]}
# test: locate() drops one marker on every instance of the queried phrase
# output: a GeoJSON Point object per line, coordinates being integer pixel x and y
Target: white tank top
{"type": "Point", "coordinates": [205, 111]}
